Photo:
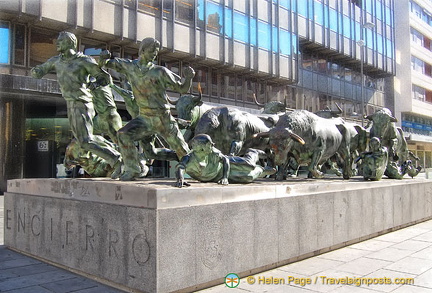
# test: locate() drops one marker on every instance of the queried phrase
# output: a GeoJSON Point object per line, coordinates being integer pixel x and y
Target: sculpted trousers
{"type": "Point", "coordinates": [142, 127]}
{"type": "Point", "coordinates": [81, 116]}
{"type": "Point", "coordinates": [108, 120]}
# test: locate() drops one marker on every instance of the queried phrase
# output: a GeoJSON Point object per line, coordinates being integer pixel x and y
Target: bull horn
{"type": "Point", "coordinates": [198, 98]}
{"type": "Point", "coordinates": [172, 102]}
{"type": "Point", "coordinates": [256, 101]}
{"type": "Point", "coordinates": [369, 117]}
{"type": "Point", "coordinates": [297, 138]}
{"type": "Point", "coordinates": [261, 135]}
{"type": "Point", "coordinates": [393, 119]}
{"type": "Point", "coordinates": [339, 109]}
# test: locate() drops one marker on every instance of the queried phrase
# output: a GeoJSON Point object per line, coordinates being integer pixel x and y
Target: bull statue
{"type": "Point", "coordinates": [309, 139]}
{"type": "Point", "coordinates": [272, 107]}
{"type": "Point", "coordinates": [206, 163]}
{"type": "Point", "coordinates": [189, 109]}
{"type": "Point", "coordinates": [232, 130]}
{"type": "Point", "coordinates": [391, 137]}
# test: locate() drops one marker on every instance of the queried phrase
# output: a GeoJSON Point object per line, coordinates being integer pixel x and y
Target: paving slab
{"type": "Point", "coordinates": [345, 254]}
{"type": "Point", "coordinates": [411, 265]}
{"type": "Point", "coordinates": [363, 266]}
{"type": "Point", "coordinates": [413, 245]}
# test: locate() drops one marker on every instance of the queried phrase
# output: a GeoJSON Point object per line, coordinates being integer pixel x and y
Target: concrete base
{"type": "Point", "coordinates": [149, 236]}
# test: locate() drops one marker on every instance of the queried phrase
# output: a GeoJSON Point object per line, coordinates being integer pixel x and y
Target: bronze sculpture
{"type": "Point", "coordinates": [207, 164]}
{"type": "Point", "coordinates": [374, 162]}
{"type": "Point", "coordinates": [149, 83]}
{"type": "Point", "coordinates": [74, 72]}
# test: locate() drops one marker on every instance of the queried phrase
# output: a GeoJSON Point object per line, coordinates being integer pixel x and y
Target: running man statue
{"type": "Point", "coordinates": [149, 83]}
{"type": "Point", "coordinates": [74, 72]}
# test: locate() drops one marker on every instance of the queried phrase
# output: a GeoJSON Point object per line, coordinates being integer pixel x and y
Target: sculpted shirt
{"type": "Point", "coordinates": [149, 83]}
{"type": "Point", "coordinates": [73, 75]}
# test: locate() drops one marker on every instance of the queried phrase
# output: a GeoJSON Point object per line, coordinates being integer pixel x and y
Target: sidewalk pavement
{"type": "Point", "coordinates": [402, 256]}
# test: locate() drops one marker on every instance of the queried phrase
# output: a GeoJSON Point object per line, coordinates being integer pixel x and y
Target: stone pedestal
{"type": "Point", "coordinates": [152, 237]}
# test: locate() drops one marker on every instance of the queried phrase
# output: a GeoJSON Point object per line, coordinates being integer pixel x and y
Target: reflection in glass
{"type": "Point", "coordinates": [42, 46]}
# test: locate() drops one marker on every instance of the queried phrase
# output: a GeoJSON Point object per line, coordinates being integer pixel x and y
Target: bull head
{"type": "Point", "coordinates": [195, 100]}
{"type": "Point", "coordinates": [383, 111]}
{"type": "Point", "coordinates": [277, 133]}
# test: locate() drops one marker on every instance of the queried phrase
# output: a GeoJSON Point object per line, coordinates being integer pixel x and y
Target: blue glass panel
{"type": "Point", "coordinates": [302, 7]}
{"type": "Point", "coordinates": [368, 4]}
{"type": "Point", "coordinates": [294, 6]}
{"type": "Point", "coordinates": [275, 39]}
{"type": "Point", "coordinates": [253, 31]}
{"type": "Point", "coordinates": [294, 44]}
{"type": "Point", "coordinates": [214, 15]}
{"type": "Point", "coordinates": [228, 22]}
{"type": "Point", "coordinates": [92, 51]}
{"type": "Point", "coordinates": [380, 47]}
{"type": "Point", "coordinates": [346, 26]}
{"type": "Point", "coordinates": [357, 31]}
{"type": "Point", "coordinates": [389, 48]}
{"type": "Point", "coordinates": [318, 10]}
{"type": "Point", "coordinates": [285, 42]}
{"type": "Point", "coordinates": [4, 41]}
{"type": "Point", "coordinates": [285, 3]}
{"type": "Point", "coordinates": [200, 8]}
{"type": "Point", "coordinates": [333, 19]}
{"type": "Point", "coordinates": [369, 38]}
{"type": "Point", "coordinates": [379, 7]}
{"type": "Point", "coordinates": [264, 35]}
{"type": "Point", "coordinates": [241, 31]}
{"type": "Point", "coordinates": [326, 18]}
{"type": "Point", "coordinates": [388, 16]}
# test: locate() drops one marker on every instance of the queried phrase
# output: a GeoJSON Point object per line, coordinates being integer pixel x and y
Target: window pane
{"type": "Point", "coordinates": [346, 26]}
{"type": "Point", "coordinates": [240, 27]}
{"type": "Point", "coordinates": [285, 42]}
{"type": "Point", "coordinates": [275, 39]}
{"type": "Point", "coordinates": [19, 44]}
{"type": "Point", "coordinates": [263, 35]}
{"type": "Point", "coordinates": [42, 46]}
{"type": "Point", "coordinates": [369, 6]}
{"type": "Point", "coordinates": [333, 19]}
{"type": "Point", "coordinates": [379, 10]}
{"type": "Point", "coordinates": [214, 84]}
{"type": "Point", "coordinates": [200, 13]}
{"type": "Point", "coordinates": [302, 8]}
{"type": "Point", "coordinates": [228, 22]}
{"type": "Point", "coordinates": [285, 3]}
{"type": "Point", "coordinates": [318, 10]}
{"type": "Point", "coordinates": [214, 19]}
{"type": "Point", "coordinates": [151, 6]}
{"type": "Point", "coordinates": [294, 44]}
{"type": "Point", "coordinates": [253, 31]}
{"type": "Point", "coordinates": [380, 44]}
{"type": "Point", "coordinates": [92, 48]}
{"type": "Point", "coordinates": [167, 8]}
{"type": "Point", "coordinates": [201, 78]}
{"type": "Point", "coordinates": [184, 10]}
{"type": "Point", "coordinates": [4, 41]}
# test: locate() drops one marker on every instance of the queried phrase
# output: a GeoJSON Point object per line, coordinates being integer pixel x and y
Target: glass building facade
{"type": "Point", "coordinates": [305, 53]}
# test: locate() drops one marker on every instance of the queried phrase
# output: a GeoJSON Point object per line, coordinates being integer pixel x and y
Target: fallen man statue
{"type": "Point", "coordinates": [206, 163]}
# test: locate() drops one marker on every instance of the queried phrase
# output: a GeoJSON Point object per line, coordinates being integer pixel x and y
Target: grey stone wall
{"type": "Point", "coordinates": [150, 237]}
